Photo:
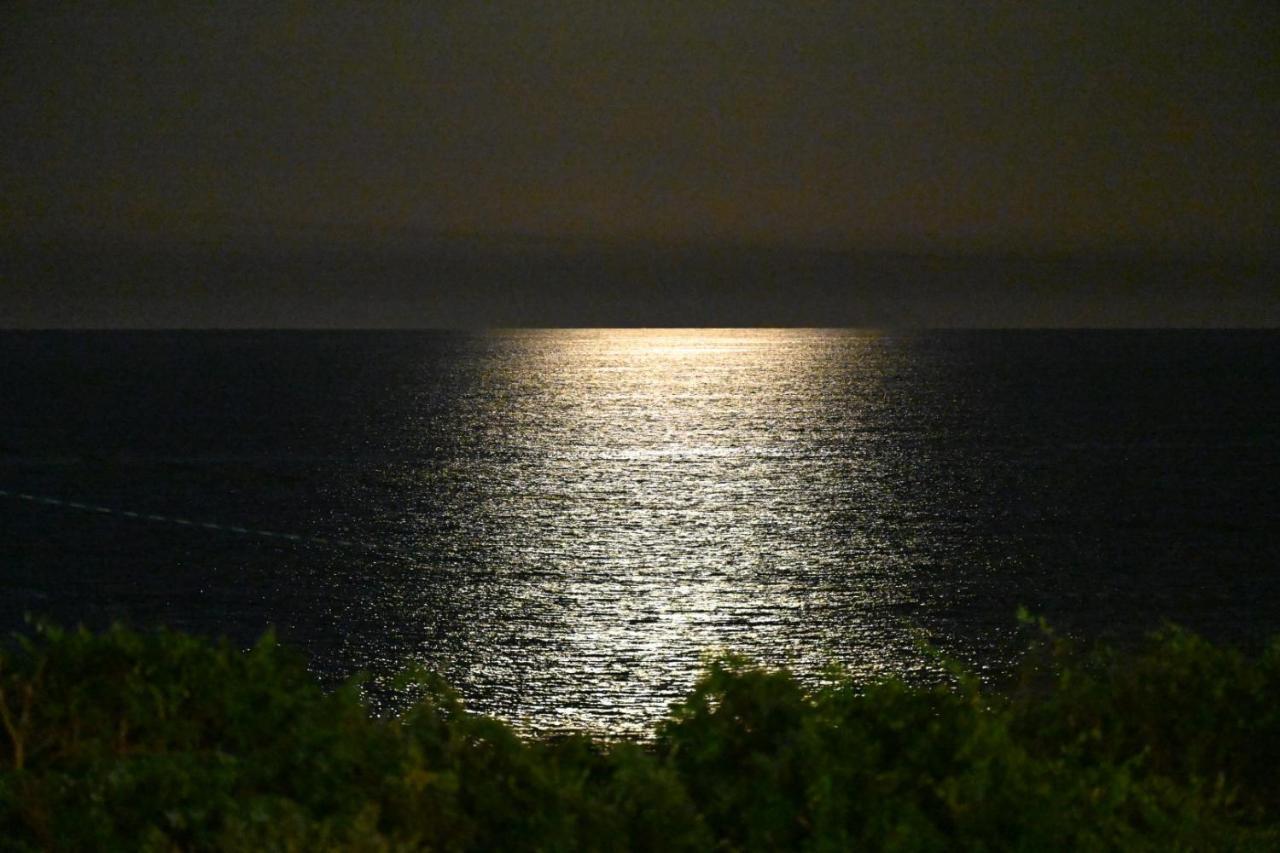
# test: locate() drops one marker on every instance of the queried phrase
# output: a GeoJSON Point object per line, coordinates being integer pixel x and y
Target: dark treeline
{"type": "Point", "coordinates": [126, 740]}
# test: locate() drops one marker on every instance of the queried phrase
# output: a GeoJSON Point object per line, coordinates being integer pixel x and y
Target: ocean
{"type": "Point", "coordinates": [565, 522]}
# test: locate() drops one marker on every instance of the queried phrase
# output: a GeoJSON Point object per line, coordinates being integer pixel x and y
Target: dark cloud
{"type": "Point", "coordinates": [999, 126]}
{"type": "Point", "coordinates": [888, 122]}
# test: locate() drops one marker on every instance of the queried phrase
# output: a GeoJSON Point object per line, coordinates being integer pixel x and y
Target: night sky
{"type": "Point", "coordinates": [460, 164]}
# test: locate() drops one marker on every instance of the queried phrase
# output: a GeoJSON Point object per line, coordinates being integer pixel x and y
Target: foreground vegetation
{"type": "Point", "coordinates": [162, 741]}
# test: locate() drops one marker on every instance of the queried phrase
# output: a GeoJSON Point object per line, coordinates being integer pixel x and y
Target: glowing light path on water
{"type": "Point", "coordinates": [642, 497]}
{"type": "Point", "coordinates": [563, 522]}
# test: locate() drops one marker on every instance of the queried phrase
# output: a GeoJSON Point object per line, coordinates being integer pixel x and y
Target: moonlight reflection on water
{"type": "Point", "coordinates": [652, 495]}
{"type": "Point", "coordinates": [563, 522]}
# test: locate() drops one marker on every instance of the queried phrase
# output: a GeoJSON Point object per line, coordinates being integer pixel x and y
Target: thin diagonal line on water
{"type": "Point", "coordinates": [235, 529]}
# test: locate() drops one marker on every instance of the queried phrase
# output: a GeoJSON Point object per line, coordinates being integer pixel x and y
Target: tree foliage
{"type": "Point", "coordinates": [127, 740]}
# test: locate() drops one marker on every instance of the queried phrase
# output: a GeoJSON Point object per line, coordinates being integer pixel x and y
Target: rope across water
{"type": "Point", "coordinates": [236, 529]}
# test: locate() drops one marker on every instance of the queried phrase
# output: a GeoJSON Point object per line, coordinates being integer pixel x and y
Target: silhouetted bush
{"type": "Point", "coordinates": [129, 741]}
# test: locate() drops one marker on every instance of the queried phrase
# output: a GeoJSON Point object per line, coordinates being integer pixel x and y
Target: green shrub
{"type": "Point", "coordinates": [128, 741]}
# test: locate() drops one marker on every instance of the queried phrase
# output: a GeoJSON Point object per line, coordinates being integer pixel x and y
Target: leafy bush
{"type": "Point", "coordinates": [129, 740]}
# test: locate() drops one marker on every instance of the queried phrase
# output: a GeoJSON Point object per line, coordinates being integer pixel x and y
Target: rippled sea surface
{"type": "Point", "coordinates": [563, 522]}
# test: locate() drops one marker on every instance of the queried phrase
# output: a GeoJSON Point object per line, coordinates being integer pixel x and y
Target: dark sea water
{"type": "Point", "coordinates": [562, 522]}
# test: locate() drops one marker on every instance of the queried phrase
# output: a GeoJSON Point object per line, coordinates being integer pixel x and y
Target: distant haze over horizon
{"type": "Point", "coordinates": [476, 282]}
{"type": "Point", "coordinates": [579, 163]}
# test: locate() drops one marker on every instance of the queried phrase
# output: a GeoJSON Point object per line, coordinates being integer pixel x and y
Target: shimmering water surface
{"type": "Point", "coordinates": [562, 522]}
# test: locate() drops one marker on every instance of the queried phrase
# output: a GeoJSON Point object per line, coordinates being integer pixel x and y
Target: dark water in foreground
{"type": "Point", "coordinates": [561, 522]}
